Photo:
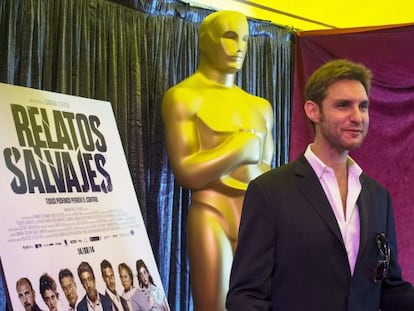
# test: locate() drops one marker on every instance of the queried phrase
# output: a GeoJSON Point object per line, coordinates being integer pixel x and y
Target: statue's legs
{"type": "Point", "coordinates": [210, 255]}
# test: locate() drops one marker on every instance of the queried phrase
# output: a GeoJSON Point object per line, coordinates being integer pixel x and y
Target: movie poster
{"type": "Point", "coordinates": [67, 202]}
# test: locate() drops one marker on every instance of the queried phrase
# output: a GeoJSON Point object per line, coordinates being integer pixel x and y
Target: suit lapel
{"type": "Point", "coordinates": [364, 217]}
{"type": "Point", "coordinates": [312, 190]}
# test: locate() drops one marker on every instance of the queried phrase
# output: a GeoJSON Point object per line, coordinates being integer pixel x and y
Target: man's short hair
{"type": "Point", "coordinates": [24, 280]}
{"type": "Point", "coordinates": [333, 71]}
{"type": "Point", "coordinates": [64, 273]}
{"type": "Point", "coordinates": [85, 267]}
{"type": "Point", "coordinates": [105, 264]}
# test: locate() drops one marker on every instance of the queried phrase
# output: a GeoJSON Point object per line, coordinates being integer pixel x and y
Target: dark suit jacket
{"type": "Point", "coordinates": [291, 256]}
{"type": "Point", "coordinates": [106, 303]}
{"type": "Point", "coordinates": [123, 303]}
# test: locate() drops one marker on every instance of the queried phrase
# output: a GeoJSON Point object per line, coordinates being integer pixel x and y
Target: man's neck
{"type": "Point", "coordinates": [337, 160]}
{"type": "Point", "coordinates": [96, 300]}
{"type": "Point", "coordinates": [111, 293]}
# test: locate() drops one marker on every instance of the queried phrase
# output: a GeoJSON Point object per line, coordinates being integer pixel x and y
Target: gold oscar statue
{"type": "Point", "coordinates": [218, 138]}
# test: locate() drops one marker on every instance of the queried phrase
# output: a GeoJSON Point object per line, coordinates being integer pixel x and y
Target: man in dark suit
{"type": "Point", "coordinates": [318, 234]}
{"type": "Point", "coordinates": [93, 300]}
{"type": "Point", "coordinates": [69, 287]}
{"type": "Point", "coordinates": [118, 303]}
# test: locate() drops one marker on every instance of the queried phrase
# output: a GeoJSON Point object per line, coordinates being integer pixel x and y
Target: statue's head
{"type": "Point", "coordinates": [223, 40]}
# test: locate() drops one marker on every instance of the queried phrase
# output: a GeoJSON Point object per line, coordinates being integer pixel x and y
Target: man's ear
{"type": "Point", "coordinates": [312, 111]}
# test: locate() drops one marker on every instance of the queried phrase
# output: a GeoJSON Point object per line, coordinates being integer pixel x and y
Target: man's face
{"type": "Point", "coordinates": [50, 299]}
{"type": "Point", "coordinates": [125, 279]}
{"type": "Point", "coordinates": [88, 283]}
{"type": "Point", "coordinates": [144, 276]}
{"type": "Point", "coordinates": [69, 289]}
{"type": "Point", "coordinates": [26, 295]}
{"type": "Point", "coordinates": [343, 118]}
{"type": "Point", "coordinates": [109, 279]}
{"type": "Point", "coordinates": [227, 43]}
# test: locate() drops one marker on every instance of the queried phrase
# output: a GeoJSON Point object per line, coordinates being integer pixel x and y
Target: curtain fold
{"type": "Point", "coordinates": [130, 53]}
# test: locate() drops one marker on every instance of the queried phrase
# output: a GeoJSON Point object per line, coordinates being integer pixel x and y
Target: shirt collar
{"type": "Point", "coordinates": [113, 296]}
{"type": "Point", "coordinates": [94, 304]}
{"type": "Point", "coordinates": [320, 168]}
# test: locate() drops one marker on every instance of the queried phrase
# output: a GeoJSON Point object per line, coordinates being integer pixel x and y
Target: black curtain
{"type": "Point", "coordinates": [129, 52]}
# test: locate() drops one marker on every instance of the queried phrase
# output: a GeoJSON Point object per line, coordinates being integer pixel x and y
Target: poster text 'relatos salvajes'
{"type": "Point", "coordinates": [58, 152]}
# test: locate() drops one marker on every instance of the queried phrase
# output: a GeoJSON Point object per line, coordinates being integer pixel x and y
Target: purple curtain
{"type": "Point", "coordinates": [388, 151]}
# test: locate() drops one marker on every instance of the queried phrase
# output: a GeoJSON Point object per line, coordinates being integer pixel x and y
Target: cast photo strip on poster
{"type": "Point", "coordinates": [72, 232]}
{"type": "Point", "coordinates": [116, 287]}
